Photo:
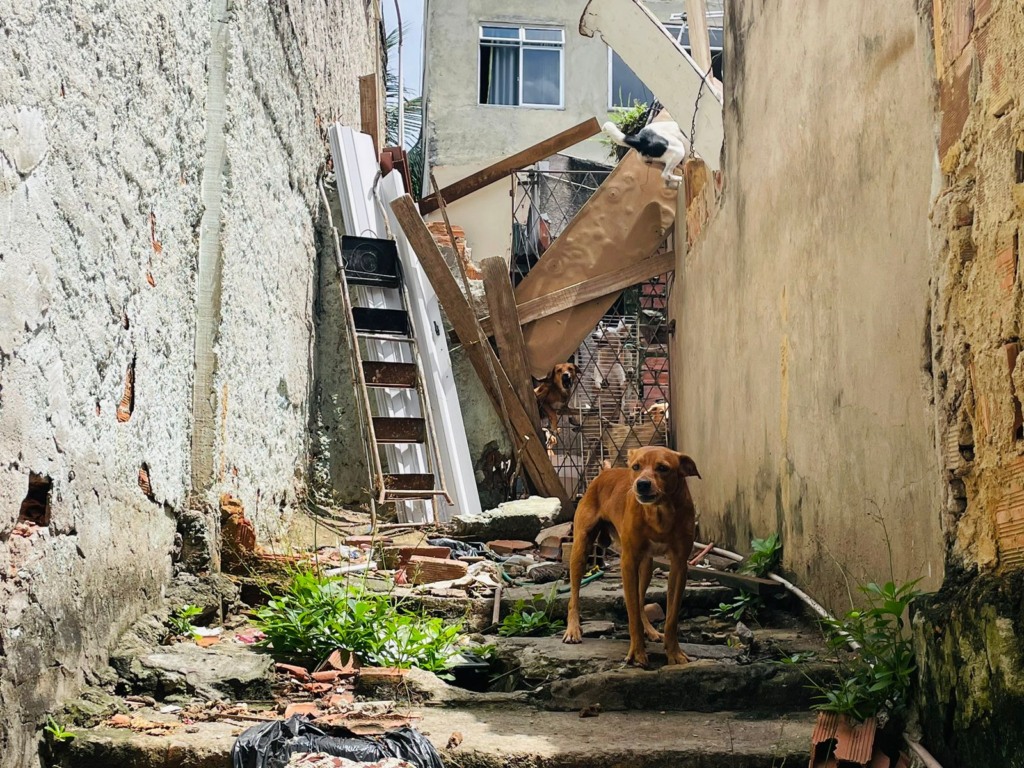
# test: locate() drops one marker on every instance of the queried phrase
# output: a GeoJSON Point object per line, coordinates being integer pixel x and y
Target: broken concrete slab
{"type": "Point", "coordinates": [519, 519]}
{"type": "Point", "coordinates": [184, 669]}
{"type": "Point", "coordinates": [495, 737]}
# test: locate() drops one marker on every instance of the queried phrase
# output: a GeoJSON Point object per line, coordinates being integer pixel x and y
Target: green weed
{"type": "Point", "coordinates": [317, 616]}
{"type": "Point", "coordinates": [180, 620]}
{"type": "Point", "coordinates": [58, 732]}
{"type": "Point", "coordinates": [531, 619]}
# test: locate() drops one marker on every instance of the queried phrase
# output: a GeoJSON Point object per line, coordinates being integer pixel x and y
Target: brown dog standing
{"type": "Point", "coordinates": [652, 512]}
{"type": "Point", "coordinates": [554, 391]}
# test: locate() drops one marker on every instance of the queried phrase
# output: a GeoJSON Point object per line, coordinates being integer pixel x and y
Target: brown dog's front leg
{"type": "Point", "coordinates": [631, 591]}
{"type": "Point", "coordinates": [674, 598]}
{"type": "Point", "coordinates": [583, 532]}
{"type": "Point", "coordinates": [646, 573]}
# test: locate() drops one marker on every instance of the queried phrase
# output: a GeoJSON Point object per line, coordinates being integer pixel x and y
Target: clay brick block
{"type": "Point", "coordinates": [429, 570]}
{"type": "Point", "coordinates": [1009, 514]}
{"type": "Point", "coordinates": [955, 103]}
{"type": "Point", "coordinates": [1006, 268]}
{"type": "Point", "coordinates": [398, 557]}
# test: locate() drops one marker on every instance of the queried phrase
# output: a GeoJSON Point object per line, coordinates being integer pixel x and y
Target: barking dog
{"type": "Point", "coordinates": [663, 142]}
{"type": "Point", "coordinates": [651, 510]}
{"type": "Point", "coordinates": [553, 395]}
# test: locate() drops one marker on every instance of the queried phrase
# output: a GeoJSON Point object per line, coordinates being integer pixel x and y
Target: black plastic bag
{"type": "Point", "coordinates": [271, 744]}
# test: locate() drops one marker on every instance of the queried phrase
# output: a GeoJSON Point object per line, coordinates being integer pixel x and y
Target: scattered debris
{"type": "Point", "coordinates": [454, 740]}
{"type": "Point", "coordinates": [655, 612]}
{"type": "Point", "coordinates": [509, 546]}
{"type": "Point", "coordinates": [591, 710]}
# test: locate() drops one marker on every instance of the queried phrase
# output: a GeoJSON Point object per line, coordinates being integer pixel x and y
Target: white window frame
{"type": "Point", "coordinates": [524, 44]}
{"type": "Point", "coordinates": [611, 85]}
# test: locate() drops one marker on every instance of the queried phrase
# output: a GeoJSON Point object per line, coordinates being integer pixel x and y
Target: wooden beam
{"type": "Point", "coordinates": [587, 290]}
{"type": "Point", "coordinates": [463, 319]}
{"type": "Point", "coordinates": [369, 108]}
{"type": "Point", "coordinates": [700, 41]}
{"type": "Point", "coordinates": [509, 334]}
{"type": "Point", "coordinates": [503, 168]}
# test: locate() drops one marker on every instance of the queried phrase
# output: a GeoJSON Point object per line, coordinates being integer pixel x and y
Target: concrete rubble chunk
{"type": "Point", "coordinates": [521, 519]}
{"type": "Point", "coordinates": [222, 671]}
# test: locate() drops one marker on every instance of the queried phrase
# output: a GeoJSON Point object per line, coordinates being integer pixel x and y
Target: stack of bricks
{"type": "Point", "coordinates": [439, 232]}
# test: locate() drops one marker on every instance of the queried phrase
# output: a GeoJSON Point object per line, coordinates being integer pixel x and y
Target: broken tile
{"type": "Point", "coordinates": [299, 673]}
{"type": "Point", "coordinates": [509, 546]}
{"type": "Point", "coordinates": [302, 708]}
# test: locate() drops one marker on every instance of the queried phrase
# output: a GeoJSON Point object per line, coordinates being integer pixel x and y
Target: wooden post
{"type": "Point", "coordinates": [463, 319]}
{"type": "Point", "coordinates": [369, 108]}
{"type": "Point", "coordinates": [509, 334]}
{"type": "Point", "coordinates": [700, 40]}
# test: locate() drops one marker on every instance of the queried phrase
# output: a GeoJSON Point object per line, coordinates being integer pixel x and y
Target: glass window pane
{"type": "Point", "coordinates": [627, 88]}
{"type": "Point", "coordinates": [499, 75]}
{"type": "Point", "coordinates": [544, 35]}
{"type": "Point", "coordinates": [511, 33]}
{"type": "Point", "coordinates": [542, 77]}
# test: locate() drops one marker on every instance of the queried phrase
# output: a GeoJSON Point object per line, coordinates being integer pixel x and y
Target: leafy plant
{"type": "Point", "coordinates": [629, 120]}
{"type": "Point", "coordinates": [180, 620]}
{"type": "Point", "coordinates": [744, 604]}
{"type": "Point", "coordinates": [531, 619]}
{"type": "Point", "coordinates": [58, 732]}
{"type": "Point", "coordinates": [877, 678]}
{"type": "Point", "coordinates": [316, 616]}
{"type": "Point", "coordinates": [765, 556]}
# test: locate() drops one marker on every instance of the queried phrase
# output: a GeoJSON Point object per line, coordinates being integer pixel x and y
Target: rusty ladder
{"type": "Point", "coordinates": [374, 263]}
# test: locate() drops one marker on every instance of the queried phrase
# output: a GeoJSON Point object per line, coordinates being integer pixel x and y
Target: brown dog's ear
{"type": "Point", "coordinates": [575, 370]}
{"type": "Point", "coordinates": [687, 466]}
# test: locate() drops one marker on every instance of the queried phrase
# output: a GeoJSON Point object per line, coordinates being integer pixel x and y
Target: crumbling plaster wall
{"type": "Point", "coordinates": [801, 382]}
{"type": "Point", "coordinates": [103, 112]}
{"type": "Point", "coordinates": [970, 637]}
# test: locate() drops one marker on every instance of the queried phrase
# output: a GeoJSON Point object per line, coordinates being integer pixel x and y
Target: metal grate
{"type": "Point", "coordinates": [622, 396]}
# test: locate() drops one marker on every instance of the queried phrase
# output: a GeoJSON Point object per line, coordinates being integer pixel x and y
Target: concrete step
{"type": "Point", "coordinates": [498, 737]}
{"type": "Point", "coordinates": [718, 678]}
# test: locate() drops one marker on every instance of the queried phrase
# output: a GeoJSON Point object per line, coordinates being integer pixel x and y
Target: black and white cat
{"type": "Point", "coordinates": [662, 142]}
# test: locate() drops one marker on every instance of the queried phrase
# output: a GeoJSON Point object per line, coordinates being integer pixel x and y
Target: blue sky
{"type": "Point", "coordinates": [412, 48]}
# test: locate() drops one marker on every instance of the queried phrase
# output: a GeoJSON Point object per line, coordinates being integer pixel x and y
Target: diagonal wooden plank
{"type": "Point", "coordinates": [586, 290]}
{"type": "Point", "coordinates": [508, 334]}
{"type": "Point", "coordinates": [503, 168]}
{"type": "Point", "coordinates": [463, 319]}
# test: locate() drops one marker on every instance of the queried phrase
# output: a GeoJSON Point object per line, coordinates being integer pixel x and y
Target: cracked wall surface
{"type": "Point", "coordinates": [102, 147]}
{"type": "Point", "coordinates": [802, 346]}
{"type": "Point", "coordinates": [969, 637]}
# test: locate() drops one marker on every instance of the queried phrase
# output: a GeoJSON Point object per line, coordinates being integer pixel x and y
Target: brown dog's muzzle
{"type": "Point", "coordinates": [567, 380]}
{"type": "Point", "coordinates": [645, 491]}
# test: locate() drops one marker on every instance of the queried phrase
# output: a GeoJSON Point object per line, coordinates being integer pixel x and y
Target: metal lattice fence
{"type": "Point", "coordinates": [621, 399]}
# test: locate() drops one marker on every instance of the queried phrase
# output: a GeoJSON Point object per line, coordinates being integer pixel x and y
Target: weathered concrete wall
{"type": "Point", "coordinates": [802, 383]}
{"type": "Point", "coordinates": [103, 116]}
{"type": "Point", "coordinates": [970, 639]}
